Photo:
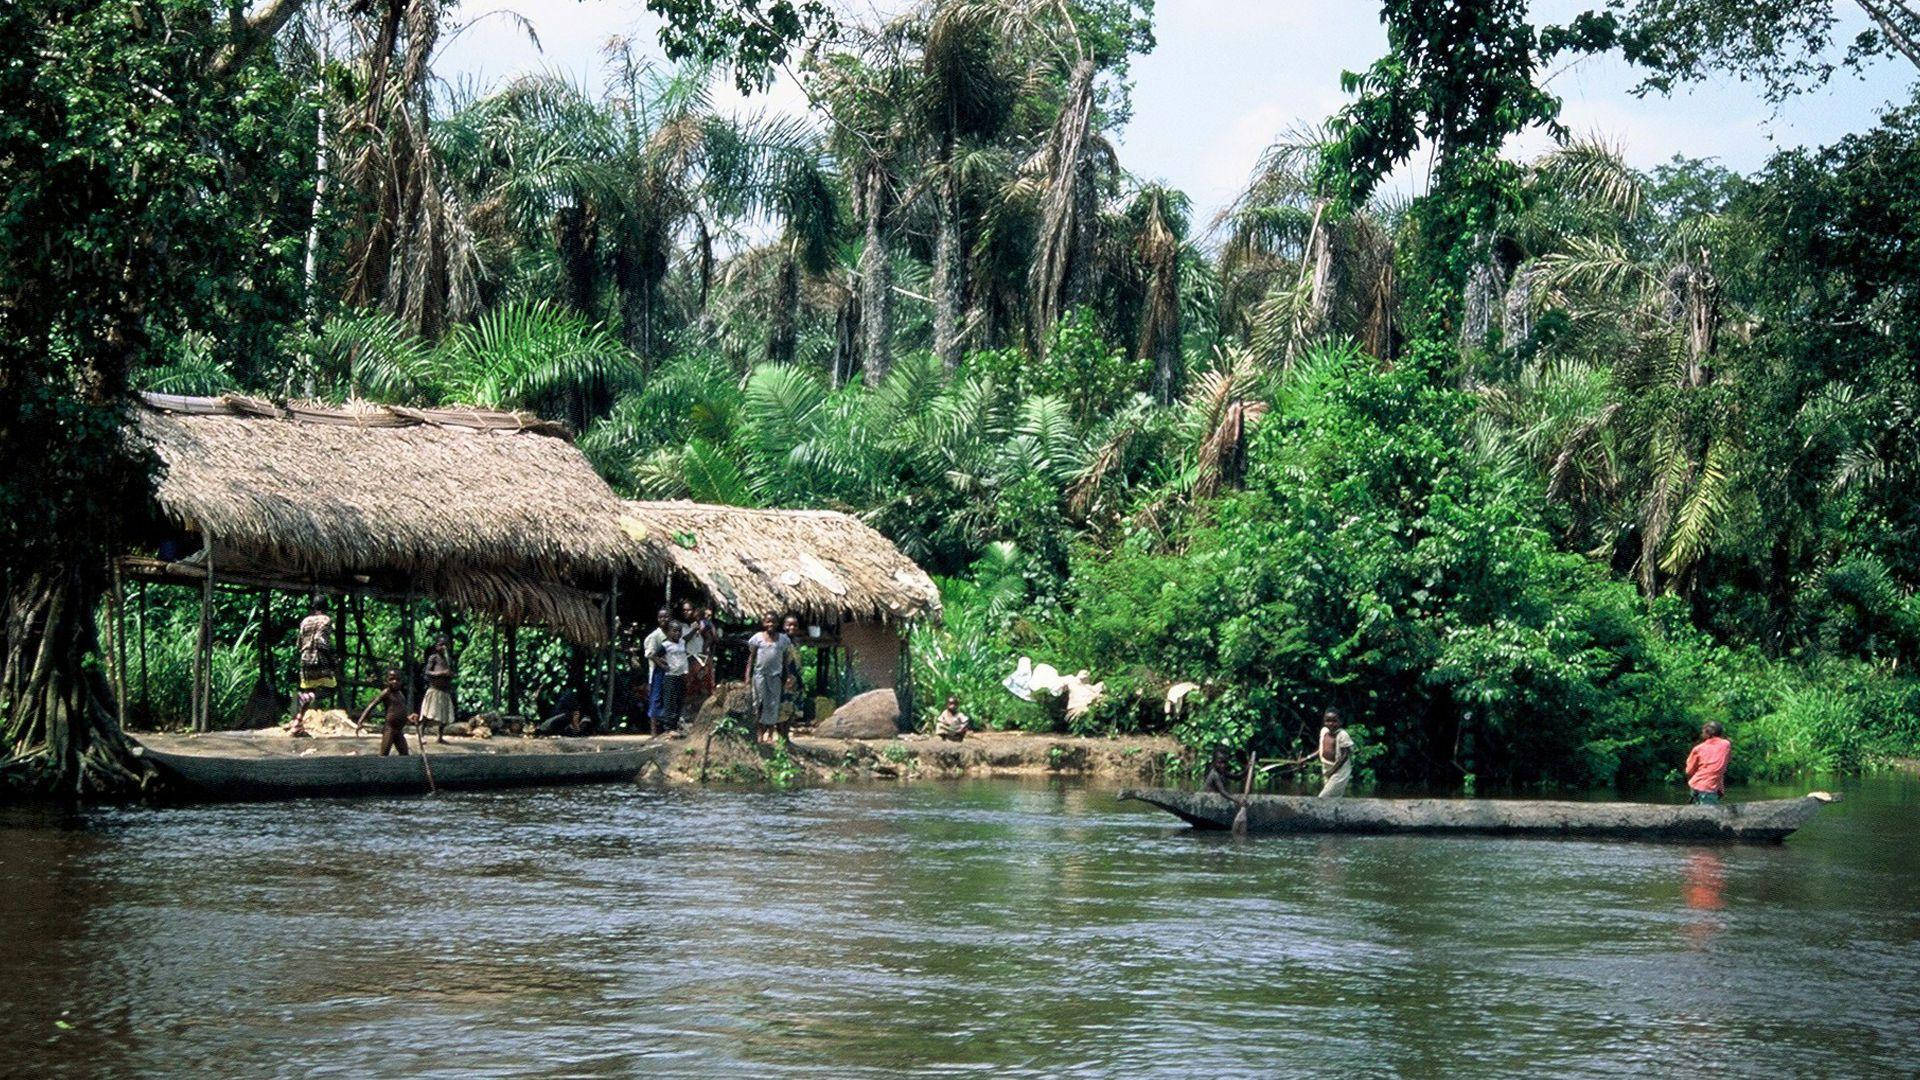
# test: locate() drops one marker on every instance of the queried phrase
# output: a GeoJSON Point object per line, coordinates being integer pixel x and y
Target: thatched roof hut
{"type": "Point", "coordinates": [494, 512]}
{"type": "Point", "coordinates": [823, 566]}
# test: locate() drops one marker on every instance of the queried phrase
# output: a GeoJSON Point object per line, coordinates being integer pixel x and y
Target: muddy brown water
{"type": "Point", "coordinates": [967, 928]}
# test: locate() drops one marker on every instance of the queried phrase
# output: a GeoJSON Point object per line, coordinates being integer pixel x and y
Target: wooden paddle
{"type": "Point", "coordinates": [1246, 792]}
{"type": "Point", "coordinates": [420, 736]}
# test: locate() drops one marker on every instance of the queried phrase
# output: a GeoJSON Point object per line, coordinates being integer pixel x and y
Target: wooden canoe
{"type": "Point", "coordinates": [236, 765]}
{"type": "Point", "coordinates": [1769, 821]}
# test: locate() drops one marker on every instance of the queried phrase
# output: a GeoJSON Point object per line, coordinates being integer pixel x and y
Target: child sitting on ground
{"type": "Point", "coordinates": [952, 724]}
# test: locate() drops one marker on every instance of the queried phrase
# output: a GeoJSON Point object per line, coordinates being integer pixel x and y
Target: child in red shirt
{"type": "Point", "coordinates": [1707, 765]}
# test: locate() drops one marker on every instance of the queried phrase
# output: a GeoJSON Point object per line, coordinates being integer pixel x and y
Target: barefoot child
{"type": "Point", "coordinates": [394, 735]}
{"type": "Point", "coordinates": [952, 724]}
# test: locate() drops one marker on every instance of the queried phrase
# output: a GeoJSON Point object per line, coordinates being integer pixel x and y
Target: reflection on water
{"type": "Point", "coordinates": [1705, 892]}
{"type": "Point", "coordinates": [978, 927]}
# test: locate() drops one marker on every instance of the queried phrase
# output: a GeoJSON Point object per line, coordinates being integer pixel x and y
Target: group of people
{"type": "Point", "coordinates": [1706, 767]}
{"type": "Point", "coordinates": [679, 655]}
{"type": "Point", "coordinates": [319, 681]}
{"type": "Point", "coordinates": [682, 653]}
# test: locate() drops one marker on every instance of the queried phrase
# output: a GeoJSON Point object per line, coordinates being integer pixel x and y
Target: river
{"type": "Point", "coordinates": [986, 928]}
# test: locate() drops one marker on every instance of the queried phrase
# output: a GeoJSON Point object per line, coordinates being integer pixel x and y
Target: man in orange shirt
{"type": "Point", "coordinates": [1707, 765]}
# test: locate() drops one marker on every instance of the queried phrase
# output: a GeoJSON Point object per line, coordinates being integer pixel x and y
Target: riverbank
{"type": "Point", "coordinates": [690, 758]}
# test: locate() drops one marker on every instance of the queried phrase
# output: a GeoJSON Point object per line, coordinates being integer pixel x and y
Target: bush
{"type": "Point", "coordinates": [1371, 563]}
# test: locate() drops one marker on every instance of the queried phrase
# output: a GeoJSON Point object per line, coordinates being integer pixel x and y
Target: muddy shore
{"type": "Point", "coordinates": [1141, 759]}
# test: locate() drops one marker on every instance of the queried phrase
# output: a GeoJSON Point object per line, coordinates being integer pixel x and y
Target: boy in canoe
{"type": "Point", "coordinates": [1707, 765]}
{"type": "Point", "coordinates": [1336, 754]}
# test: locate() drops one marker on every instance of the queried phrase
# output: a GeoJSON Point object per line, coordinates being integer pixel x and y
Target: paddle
{"type": "Point", "coordinates": [420, 736]}
{"type": "Point", "coordinates": [1246, 792]}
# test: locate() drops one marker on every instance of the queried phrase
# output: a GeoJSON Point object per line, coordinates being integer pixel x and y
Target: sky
{"type": "Point", "coordinates": [1229, 76]}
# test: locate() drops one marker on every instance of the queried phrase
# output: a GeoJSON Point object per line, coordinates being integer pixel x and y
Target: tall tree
{"type": "Point", "coordinates": [966, 96]}
{"type": "Point", "coordinates": [126, 219]}
{"type": "Point", "coordinates": [1788, 46]}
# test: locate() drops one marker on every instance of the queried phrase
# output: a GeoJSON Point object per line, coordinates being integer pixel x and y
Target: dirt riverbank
{"type": "Point", "coordinates": [1132, 759]}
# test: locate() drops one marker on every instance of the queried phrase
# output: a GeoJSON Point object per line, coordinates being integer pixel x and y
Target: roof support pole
{"type": "Point", "coordinates": [343, 695]}
{"type": "Point", "coordinates": [203, 651]}
{"type": "Point", "coordinates": [493, 665]}
{"type": "Point", "coordinates": [146, 697]}
{"type": "Point", "coordinates": [120, 647]}
{"type": "Point", "coordinates": [406, 645]}
{"type": "Point", "coordinates": [513, 669]}
{"type": "Point", "coordinates": [366, 660]}
{"type": "Point", "coordinates": [613, 651]}
{"type": "Point", "coordinates": [263, 645]}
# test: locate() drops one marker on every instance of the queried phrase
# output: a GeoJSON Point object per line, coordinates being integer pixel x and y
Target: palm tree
{"type": "Point", "coordinates": [531, 355]}
{"type": "Point", "coordinates": [1158, 221]}
{"type": "Point", "coordinates": [1647, 310]}
{"type": "Point", "coordinates": [1295, 269]}
{"type": "Point", "coordinates": [966, 95]}
{"type": "Point", "coordinates": [864, 92]}
{"type": "Point", "coordinates": [409, 248]}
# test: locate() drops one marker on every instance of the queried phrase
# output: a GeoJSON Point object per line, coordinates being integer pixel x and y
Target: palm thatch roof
{"type": "Point", "coordinates": [820, 565]}
{"type": "Point", "coordinates": [494, 512]}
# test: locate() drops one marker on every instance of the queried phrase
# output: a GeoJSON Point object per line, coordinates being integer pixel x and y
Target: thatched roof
{"type": "Point", "coordinates": [817, 564]}
{"type": "Point", "coordinates": [494, 512]}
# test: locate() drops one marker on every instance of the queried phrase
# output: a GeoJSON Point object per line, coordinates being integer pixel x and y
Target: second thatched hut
{"type": "Point", "coordinates": [849, 586]}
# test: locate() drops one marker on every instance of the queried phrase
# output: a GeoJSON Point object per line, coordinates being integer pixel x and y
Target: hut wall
{"type": "Point", "coordinates": [873, 650]}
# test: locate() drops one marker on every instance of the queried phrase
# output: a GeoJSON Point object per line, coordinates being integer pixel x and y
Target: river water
{"type": "Point", "coordinates": [987, 928]}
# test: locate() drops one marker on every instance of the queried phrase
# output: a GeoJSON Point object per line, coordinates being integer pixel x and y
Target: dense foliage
{"type": "Point", "coordinates": [1530, 474]}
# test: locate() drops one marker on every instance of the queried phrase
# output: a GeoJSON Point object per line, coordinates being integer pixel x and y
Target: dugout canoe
{"type": "Point", "coordinates": [1768, 821]}
{"type": "Point", "coordinates": [246, 765]}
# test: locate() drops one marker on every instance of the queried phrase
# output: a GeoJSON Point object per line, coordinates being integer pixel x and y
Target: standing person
{"type": "Point", "coordinates": [1707, 765]}
{"type": "Point", "coordinates": [669, 657]}
{"type": "Point", "coordinates": [793, 680]}
{"type": "Point", "coordinates": [393, 736]}
{"type": "Point", "coordinates": [436, 706]}
{"type": "Point", "coordinates": [1336, 755]}
{"type": "Point", "coordinates": [656, 678]}
{"type": "Point", "coordinates": [318, 665]}
{"type": "Point", "coordinates": [767, 654]}
{"type": "Point", "coordinates": [698, 626]}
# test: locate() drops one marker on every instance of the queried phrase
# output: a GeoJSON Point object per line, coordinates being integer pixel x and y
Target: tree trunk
{"type": "Point", "coordinates": [876, 285]}
{"type": "Point", "coordinates": [949, 273]}
{"type": "Point", "coordinates": [630, 280]}
{"type": "Point", "coordinates": [783, 337]}
{"type": "Point", "coordinates": [1162, 329]}
{"type": "Point", "coordinates": [576, 235]}
{"type": "Point", "coordinates": [846, 339]}
{"type": "Point", "coordinates": [1060, 275]}
{"type": "Point", "coordinates": [55, 712]}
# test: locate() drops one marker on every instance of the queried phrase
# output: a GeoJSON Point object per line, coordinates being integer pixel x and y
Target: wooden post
{"type": "Point", "coordinates": [822, 671]}
{"type": "Point", "coordinates": [493, 665]}
{"type": "Point", "coordinates": [513, 669]}
{"type": "Point", "coordinates": [203, 653]}
{"type": "Point", "coordinates": [119, 647]}
{"type": "Point", "coordinates": [613, 651]}
{"type": "Point", "coordinates": [905, 694]}
{"type": "Point", "coordinates": [360, 631]}
{"type": "Point", "coordinates": [342, 692]}
{"type": "Point", "coordinates": [263, 646]}
{"type": "Point", "coordinates": [406, 645]}
{"type": "Point", "coordinates": [146, 695]}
